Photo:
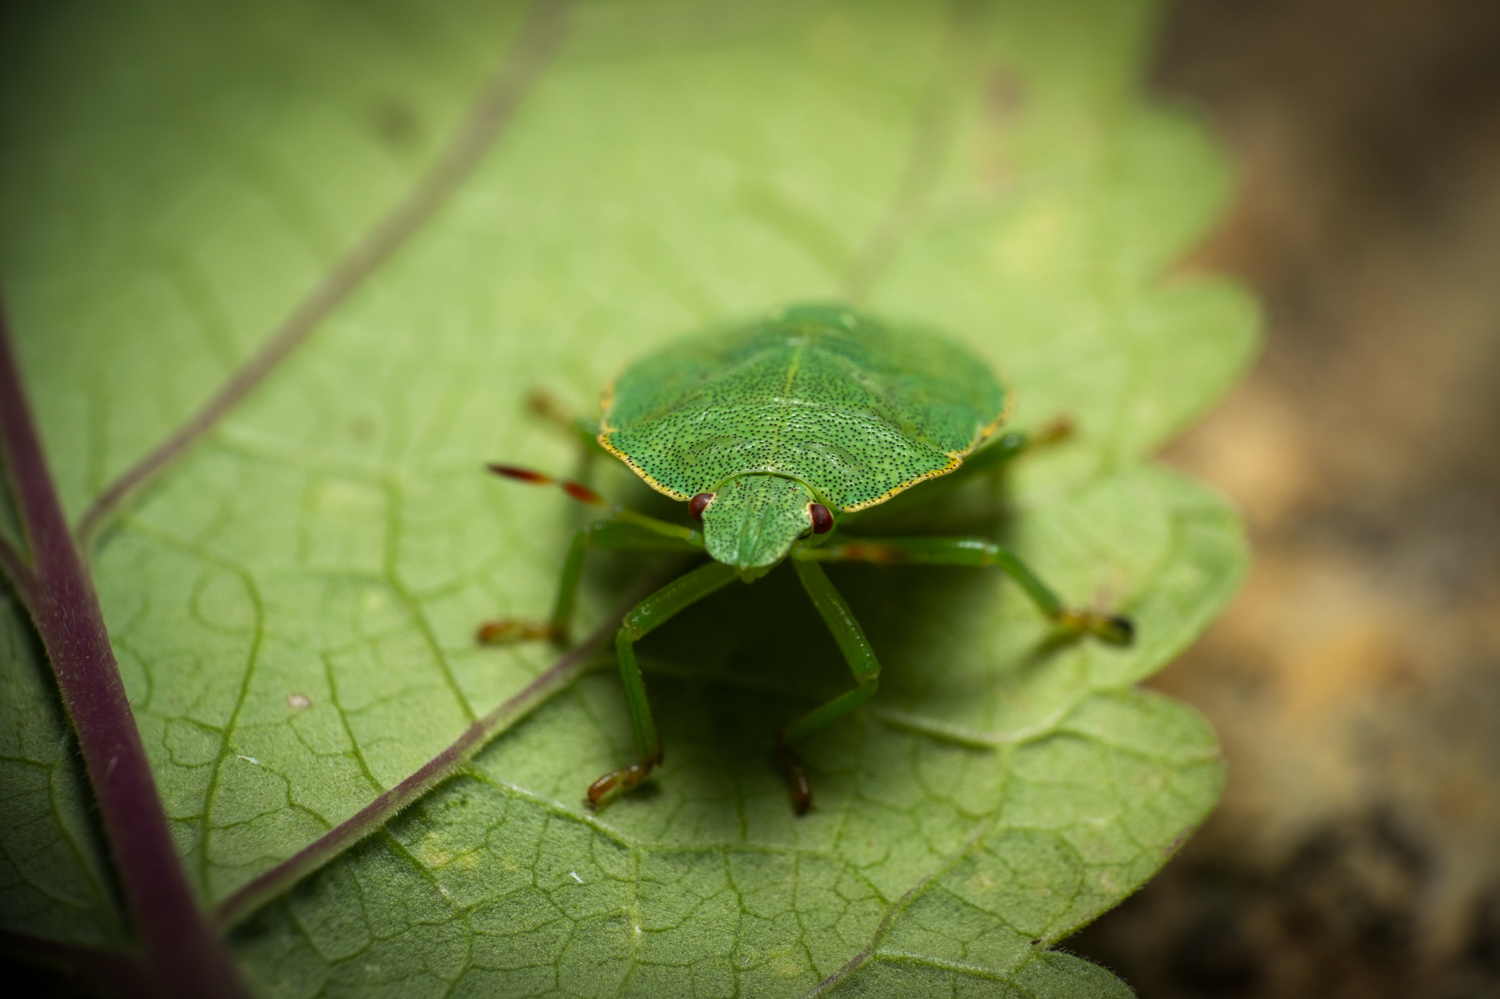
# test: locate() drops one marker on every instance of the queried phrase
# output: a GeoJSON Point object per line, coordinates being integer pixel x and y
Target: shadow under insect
{"type": "Point", "coordinates": [966, 660]}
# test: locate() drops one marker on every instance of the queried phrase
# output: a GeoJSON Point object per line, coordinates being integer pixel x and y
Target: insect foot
{"type": "Point", "coordinates": [1115, 629]}
{"type": "Point", "coordinates": [796, 777]}
{"type": "Point", "coordinates": [1054, 431]}
{"type": "Point", "coordinates": [510, 630]}
{"type": "Point", "coordinates": [541, 404]}
{"type": "Point", "coordinates": [617, 782]}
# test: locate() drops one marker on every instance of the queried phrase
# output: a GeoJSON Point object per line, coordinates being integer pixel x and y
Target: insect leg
{"type": "Point", "coordinates": [604, 534]}
{"type": "Point", "coordinates": [862, 663]}
{"type": "Point", "coordinates": [1012, 444]}
{"type": "Point", "coordinates": [1112, 628]}
{"type": "Point", "coordinates": [993, 456]}
{"type": "Point", "coordinates": [581, 429]}
{"type": "Point", "coordinates": [649, 614]}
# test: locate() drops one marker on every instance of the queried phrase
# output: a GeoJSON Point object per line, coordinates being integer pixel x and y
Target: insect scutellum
{"type": "Point", "coordinates": [771, 432]}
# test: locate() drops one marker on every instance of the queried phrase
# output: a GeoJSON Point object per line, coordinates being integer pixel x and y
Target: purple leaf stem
{"type": "Point", "coordinates": [184, 956]}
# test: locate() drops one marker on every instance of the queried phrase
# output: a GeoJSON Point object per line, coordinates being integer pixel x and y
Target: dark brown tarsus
{"type": "Point", "coordinates": [796, 776]}
{"type": "Point", "coordinates": [539, 39]}
{"type": "Point", "coordinates": [627, 778]}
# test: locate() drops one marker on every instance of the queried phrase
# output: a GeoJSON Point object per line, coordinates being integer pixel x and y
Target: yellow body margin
{"type": "Point", "coordinates": [956, 459]}
{"type": "Point", "coordinates": [606, 403]}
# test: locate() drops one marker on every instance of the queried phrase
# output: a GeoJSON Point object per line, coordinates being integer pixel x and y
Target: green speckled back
{"type": "Point", "coordinates": [856, 410]}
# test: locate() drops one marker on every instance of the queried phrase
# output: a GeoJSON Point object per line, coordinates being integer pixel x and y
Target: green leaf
{"type": "Point", "coordinates": [293, 604]}
{"type": "Point", "coordinates": [939, 863]}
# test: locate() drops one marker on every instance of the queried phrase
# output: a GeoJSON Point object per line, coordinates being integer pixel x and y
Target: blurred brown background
{"type": "Point", "coordinates": [1356, 680]}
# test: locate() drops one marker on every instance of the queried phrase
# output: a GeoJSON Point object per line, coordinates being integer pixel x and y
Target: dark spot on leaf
{"type": "Point", "coordinates": [397, 123]}
{"type": "Point", "coordinates": [1004, 93]}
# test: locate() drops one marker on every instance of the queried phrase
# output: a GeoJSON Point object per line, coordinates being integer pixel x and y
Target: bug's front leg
{"type": "Point", "coordinates": [605, 534]}
{"type": "Point", "coordinates": [1115, 629]}
{"type": "Point", "coordinates": [508, 630]}
{"type": "Point", "coordinates": [646, 616]}
{"type": "Point", "coordinates": [862, 663]}
{"type": "Point", "coordinates": [630, 531]}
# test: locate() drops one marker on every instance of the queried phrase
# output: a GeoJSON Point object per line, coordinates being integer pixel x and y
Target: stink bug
{"type": "Point", "coordinates": [773, 433]}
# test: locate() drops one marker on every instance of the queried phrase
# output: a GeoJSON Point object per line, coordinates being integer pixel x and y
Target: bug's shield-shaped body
{"type": "Point", "coordinates": [772, 431]}
{"type": "Point", "coordinates": [816, 404]}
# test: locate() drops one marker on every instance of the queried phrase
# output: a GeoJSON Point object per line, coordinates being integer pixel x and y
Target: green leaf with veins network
{"type": "Point", "coordinates": [293, 604]}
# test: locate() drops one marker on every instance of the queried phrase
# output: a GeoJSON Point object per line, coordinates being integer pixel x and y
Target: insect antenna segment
{"type": "Point", "coordinates": [583, 494]}
{"type": "Point", "coordinates": [577, 490]}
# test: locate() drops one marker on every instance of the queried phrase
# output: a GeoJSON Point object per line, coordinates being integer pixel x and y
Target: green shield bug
{"type": "Point", "coordinates": [774, 433]}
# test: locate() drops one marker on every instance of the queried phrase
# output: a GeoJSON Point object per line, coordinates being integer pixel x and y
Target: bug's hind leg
{"type": "Point", "coordinates": [862, 663]}
{"type": "Point", "coordinates": [645, 617]}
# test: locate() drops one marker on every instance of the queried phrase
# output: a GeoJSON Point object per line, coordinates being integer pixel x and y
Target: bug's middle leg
{"type": "Point", "coordinates": [606, 535]}
{"type": "Point", "coordinates": [505, 630]}
{"type": "Point", "coordinates": [1115, 629]}
{"type": "Point", "coordinates": [862, 663]}
{"type": "Point", "coordinates": [1012, 444]}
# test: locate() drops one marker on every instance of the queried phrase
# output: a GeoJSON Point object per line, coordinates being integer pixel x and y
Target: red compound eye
{"type": "Point", "coordinates": [821, 518]}
{"type": "Point", "coordinates": [698, 504]}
